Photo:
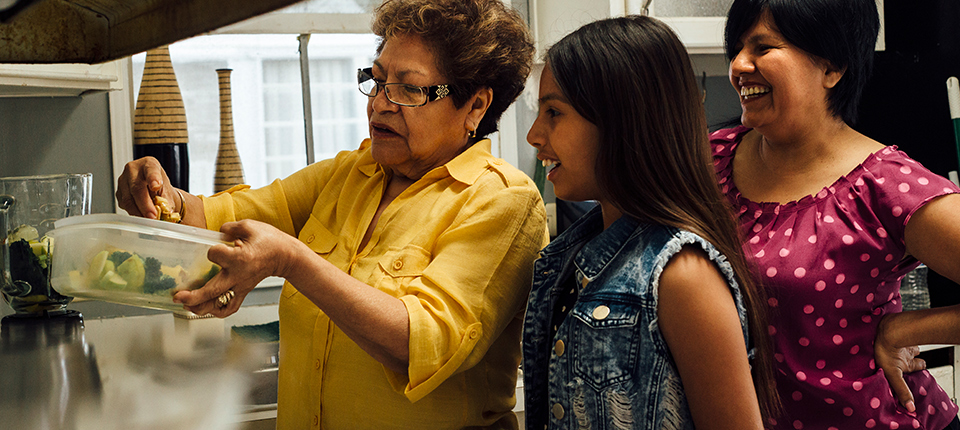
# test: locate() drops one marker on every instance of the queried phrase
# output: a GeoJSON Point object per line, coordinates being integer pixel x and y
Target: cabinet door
{"type": "Point", "coordinates": [43, 80]}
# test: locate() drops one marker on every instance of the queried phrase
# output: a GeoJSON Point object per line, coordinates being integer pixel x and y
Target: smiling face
{"type": "Point", "coordinates": [410, 141]}
{"type": "Point", "coordinates": [567, 144]}
{"type": "Point", "coordinates": [779, 84]}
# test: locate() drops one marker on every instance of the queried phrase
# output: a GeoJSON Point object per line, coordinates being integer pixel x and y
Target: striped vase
{"type": "Point", "coordinates": [229, 167]}
{"type": "Point", "coordinates": [160, 120]}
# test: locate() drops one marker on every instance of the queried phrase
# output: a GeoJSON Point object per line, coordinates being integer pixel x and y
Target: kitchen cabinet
{"type": "Point", "coordinates": [53, 80]}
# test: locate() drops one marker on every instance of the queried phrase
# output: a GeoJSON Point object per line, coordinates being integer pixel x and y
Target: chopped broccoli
{"type": "Point", "coordinates": [118, 257]}
{"type": "Point", "coordinates": [158, 285]}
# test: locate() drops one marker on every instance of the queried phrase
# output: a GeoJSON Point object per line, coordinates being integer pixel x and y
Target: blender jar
{"type": "Point", "coordinates": [29, 205]}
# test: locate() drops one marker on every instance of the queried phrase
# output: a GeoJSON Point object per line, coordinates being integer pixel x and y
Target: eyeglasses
{"type": "Point", "coordinates": [401, 94]}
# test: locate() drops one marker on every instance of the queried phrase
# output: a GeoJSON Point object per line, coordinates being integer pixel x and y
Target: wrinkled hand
{"type": "Point", "coordinates": [260, 250]}
{"type": "Point", "coordinates": [141, 180]}
{"type": "Point", "coordinates": [896, 361]}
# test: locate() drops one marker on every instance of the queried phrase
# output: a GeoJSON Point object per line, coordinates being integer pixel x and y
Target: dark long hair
{"type": "Point", "coordinates": [842, 32]}
{"type": "Point", "coordinates": [632, 78]}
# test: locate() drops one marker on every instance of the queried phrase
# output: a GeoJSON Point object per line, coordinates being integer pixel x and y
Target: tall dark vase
{"type": "Point", "coordinates": [160, 120]}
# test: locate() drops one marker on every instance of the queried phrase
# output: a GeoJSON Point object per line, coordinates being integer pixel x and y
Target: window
{"type": "Point", "coordinates": [266, 100]}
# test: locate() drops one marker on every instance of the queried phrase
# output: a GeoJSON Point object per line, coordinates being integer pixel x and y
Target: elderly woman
{"type": "Point", "coordinates": [833, 220]}
{"type": "Point", "coordinates": [407, 260]}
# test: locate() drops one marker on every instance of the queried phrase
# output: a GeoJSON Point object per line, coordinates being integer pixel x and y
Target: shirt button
{"type": "Point", "coordinates": [557, 411]}
{"type": "Point", "coordinates": [316, 364]}
{"type": "Point", "coordinates": [310, 239]}
{"type": "Point", "coordinates": [601, 312]}
{"type": "Point", "coordinates": [559, 348]}
{"type": "Point", "coordinates": [474, 334]}
{"type": "Point", "coordinates": [397, 265]}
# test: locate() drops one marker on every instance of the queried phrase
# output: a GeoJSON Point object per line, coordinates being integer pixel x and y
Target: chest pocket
{"type": "Point", "coordinates": [401, 266]}
{"type": "Point", "coordinates": [318, 239]}
{"type": "Point", "coordinates": [607, 340]}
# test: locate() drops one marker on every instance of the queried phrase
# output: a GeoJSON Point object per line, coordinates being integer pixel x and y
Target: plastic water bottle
{"type": "Point", "coordinates": [914, 291]}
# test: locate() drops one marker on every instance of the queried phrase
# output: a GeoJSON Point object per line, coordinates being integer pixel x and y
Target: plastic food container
{"type": "Point", "coordinates": [130, 260]}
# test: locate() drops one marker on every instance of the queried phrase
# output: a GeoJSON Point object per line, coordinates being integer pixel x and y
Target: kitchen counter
{"type": "Point", "coordinates": [151, 371]}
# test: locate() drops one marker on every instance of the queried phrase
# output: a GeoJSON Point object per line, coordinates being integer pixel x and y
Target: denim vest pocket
{"type": "Point", "coordinates": [607, 340]}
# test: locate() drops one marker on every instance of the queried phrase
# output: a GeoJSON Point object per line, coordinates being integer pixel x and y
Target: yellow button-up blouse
{"type": "Point", "coordinates": [457, 247]}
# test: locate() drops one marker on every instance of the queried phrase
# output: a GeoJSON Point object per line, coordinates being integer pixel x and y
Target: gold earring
{"type": "Point", "coordinates": [472, 133]}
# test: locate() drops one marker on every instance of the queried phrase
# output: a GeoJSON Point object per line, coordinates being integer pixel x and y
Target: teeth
{"type": "Point", "coordinates": [549, 163]}
{"type": "Point", "coordinates": [752, 91]}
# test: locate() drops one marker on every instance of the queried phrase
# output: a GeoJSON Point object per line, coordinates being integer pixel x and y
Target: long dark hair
{"type": "Point", "coordinates": [632, 78]}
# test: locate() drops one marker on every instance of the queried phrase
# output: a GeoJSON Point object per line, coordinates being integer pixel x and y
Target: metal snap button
{"type": "Point", "coordinates": [397, 265]}
{"type": "Point", "coordinates": [601, 312]}
{"type": "Point", "coordinates": [557, 411]}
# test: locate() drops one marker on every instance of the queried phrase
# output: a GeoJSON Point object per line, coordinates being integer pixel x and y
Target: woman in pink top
{"type": "Point", "coordinates": [833, 220]}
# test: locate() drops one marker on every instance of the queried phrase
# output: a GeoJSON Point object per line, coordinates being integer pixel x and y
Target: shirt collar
{"type": "Point", "coordinates": [465, 168]}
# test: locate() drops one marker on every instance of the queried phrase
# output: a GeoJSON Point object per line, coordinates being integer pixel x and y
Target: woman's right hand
{"type": "Point", "coordinates": [141, 180]}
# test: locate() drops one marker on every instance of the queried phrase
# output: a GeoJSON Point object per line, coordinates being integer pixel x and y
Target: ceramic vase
{"type": "Point", "coordinates": [160, 120]}
{"type": "Point", "coordinates": [229, 168]}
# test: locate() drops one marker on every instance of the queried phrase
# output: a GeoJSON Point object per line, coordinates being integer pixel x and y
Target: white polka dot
{"type": "Point", "coordinates": [828, 219]}
{"type": "Point", "coordinates": [874, 403]}
{"type": "Point", "coordinates": [722, 180]}
{"type": "Point", "coordinates": [837, 339]}
{"type": "Point", "coordinates": [788, 232]}
{"type": "Point", "coordinates": [838, 374]}
{"type": "Point", "coordinates": [923, 181]}
{"type": "Point", "coordinates": [760, 254]}
{"type": "Point", "coordinates": [875, 272]}
{"type": "Point", "coordinates": [947, 190]}
{"type": "Point", "coordinates": [894, 425]}
{"type": "Point", "coordinates": [871, 423]}
{"type": "Point", "coordinates": [857, 385]}
{"type": "Point", "coordinates": [771, 234]}
{"type": "Point", "coordinates": [779, 357]}
{"type": "Point", "coordinates": [820, 285]}
{"type": "Point", "coordinates": [840, 278]}
{"type": "Point", "coordinates": [904, 188]}
{"type": "Point", "coordinates": [854, 289]}
{"type": "Point", "coordinates": [812, 239]}
{"type": "Point", "coordinates": [882, 232]}
{"type": "Point", "coordinates": [822, 193]}
{"type": "Point", "coordinates": [757, 213]}
{"type": "Point", "coordinates": [784, 252]}
{"type": "Point", "coordinates": [772, 302]}
{"type": "Point", "coordinates": [888, 258]}
{"type": "Point", "coordinates": [771, 330]}
{"type": "Point", "coordinates": [931, 410]}
{"type": "Point", "coordinates": [905, 170]}
{"type": "Point", "coordinates": [847, 239]}
{"type": "Point", "coordinates": [847, 411]}
{"type": "Point", "coordinates": [859, 182]}
{"type": "Point", "coordinates": [838, 304]}
{"type": "Point", "coordinates": [881, 180]}
{"type": "Point", "coordinates": [731, 136]}
{"type": "Point", "coordinates": [819, 322]}
{"type": "Point", "coordinates": [755, 240]}
{"type": "Point", "coordinates": [869, 297]}
{"type": "Point", "coordinates": [854, 351]}
{"type": "Point", "coordinates": [872, 364]}
{"type": "Point", "coordinates": [856, 225]}
{"type": "Point", "coordinates": [821, 364]}
{"type": "Point", "coordinates": [801, 376]}
{"type": "Point", "coordinates": [829, 401]}
{"type": "Point", "coordinates": [825, 381]}
{"type": "Point", "coordinates": [804, 342]}
{"type": "Point", "coordinates": [843, 323]}
{"type": "Point", "coordinates": [808, 309]}
{"type": "Point", "coordinates": [916, 423]}
{"type": "Point", "coordinates": [923, 391]}
{"type": "Point", "coordinates": [829, 264]}
{"type": "Point", "coordinates": [944, 405]}
{"type": "Point", "coordinates": [771, 272]}
{"type": "Point", "coordinates": [897, 211]}
{"type": "Point", "coordinates": [864, 257]}
{"type": "Point", "coordinates": [800, 272]}
{"type": "Point", "coordinates": [757, 228]}
{"type": "Point", "coordinates": [797, 425]}
{"type": "Point", "coordinates": [797, 396]}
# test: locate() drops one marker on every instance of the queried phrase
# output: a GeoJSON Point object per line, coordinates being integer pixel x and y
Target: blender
{"type": "Point", "coordinates": [29, 205]}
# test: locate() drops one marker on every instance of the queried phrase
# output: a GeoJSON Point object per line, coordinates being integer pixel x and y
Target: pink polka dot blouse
{"type": "Point", "coordinates": [831, 263]}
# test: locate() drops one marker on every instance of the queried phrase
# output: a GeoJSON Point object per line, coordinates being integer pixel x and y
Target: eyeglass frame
{"type": "Point", "coordinates": [433, 92]}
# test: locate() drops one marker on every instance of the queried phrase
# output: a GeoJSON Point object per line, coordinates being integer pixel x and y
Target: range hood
{"type": "Point", "coordinates": [95, 31]}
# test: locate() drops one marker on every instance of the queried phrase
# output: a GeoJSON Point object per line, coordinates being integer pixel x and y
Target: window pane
{"type": "Point", "coordinates": [674, 8]}
{"type": "Point", "coordinates": [267, 99]}
{"type": "Point", "coordinates": [332, 6]}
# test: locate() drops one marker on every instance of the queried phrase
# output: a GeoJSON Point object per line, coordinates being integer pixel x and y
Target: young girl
{"type": "Point", "coordinates": [642, 313]}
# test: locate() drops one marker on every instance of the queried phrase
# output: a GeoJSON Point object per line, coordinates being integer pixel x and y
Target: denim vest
{"type": "Point", "coordinates": [608, 366]}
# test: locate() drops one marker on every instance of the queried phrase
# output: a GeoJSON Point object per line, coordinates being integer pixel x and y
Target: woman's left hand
{"type": "Point", "coordinates": [260, 250]}
{"type": "Point", "coordinates": [896, 361]}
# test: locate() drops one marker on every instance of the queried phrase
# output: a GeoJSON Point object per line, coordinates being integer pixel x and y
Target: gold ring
{"type": "Point", "coordinates": [225, 298]}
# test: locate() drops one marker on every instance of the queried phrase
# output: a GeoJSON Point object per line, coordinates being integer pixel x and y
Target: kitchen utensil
{"type": "Point", "coordinates": [29, 206]}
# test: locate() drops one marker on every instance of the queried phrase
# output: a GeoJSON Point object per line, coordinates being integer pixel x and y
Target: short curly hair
{"type": "Point", "coordinates": [477, 44]}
